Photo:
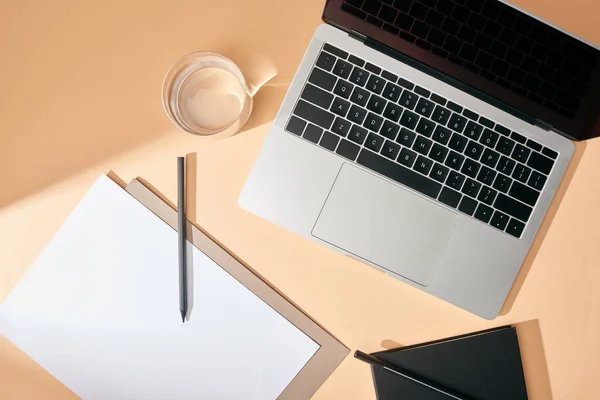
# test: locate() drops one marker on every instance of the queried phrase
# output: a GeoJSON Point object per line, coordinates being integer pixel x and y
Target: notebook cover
{"type": "Point", "coordinates": [484, 365]}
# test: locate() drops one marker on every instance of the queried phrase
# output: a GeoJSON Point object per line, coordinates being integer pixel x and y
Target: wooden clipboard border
{"type": "Point", "coordinates": [330, 353]}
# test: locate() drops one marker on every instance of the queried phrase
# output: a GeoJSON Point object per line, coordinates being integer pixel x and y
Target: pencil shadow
{"type": "Point", "coordinates": [190, 215]}
{"type": "Point", "coordinates": [533, 357]}
{"type": "Point", "coordinates": [544, 227]}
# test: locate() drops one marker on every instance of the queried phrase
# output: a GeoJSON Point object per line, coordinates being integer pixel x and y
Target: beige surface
{"type": "Point", "coordinates": [80, 95]}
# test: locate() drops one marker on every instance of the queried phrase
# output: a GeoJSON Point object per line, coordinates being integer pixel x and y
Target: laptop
{"type": "Point", "coordinates": [427, 139]}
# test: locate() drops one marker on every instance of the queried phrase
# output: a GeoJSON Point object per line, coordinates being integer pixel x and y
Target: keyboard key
{"type": "Point", "coordinates": [502, 183]}
{"type": "Point", "coordinates": [473, 130]}
{"type": "Point", "coordinates": [521, 153]}
{"type": "Point", "coordinates": [317, 96]}
{"type": "Point", "coordinates": [390, 149]}
{"type": "Point", "coordinates": [389, 76]}
{"type": "Point", "coordinates": [533, 145]}
{"type": "Point", "coordinates": [441, 115]}
{"type": "Point", "coordinates": [406, 137]}
{"type": "Point", "coordinates": [540, 163]}
{"type": "Point", "coordinates": [335, 50]}
{"type": "Point", "coordinates": [374, 142]}
{"type": "Point", "coordinates": [376, 84]}
{"type": "Point", "coordinates": [499, 220]}
{"type": "Point", "coordinates": [455, 180]}
{"type": "Point", "coordinates": [490, 158]}
{"type": "Point", "coordinates": [474, 150]}
{"type": "Point", "coordinates": [515, 228]}
{"type": "Point", "coordinates": [536, 180]}
{"type": "Point", "coordinates": [506, 165]}
{"type": "Point", "coordinates": [329, 141]}
{"type": "Point", "coordinates": [454, 160]}
{"type": "Point", "coordinates": [471, 188]}
{"type": "Point", "coordinates": [407, 157]}
{"type": "Point", "coordinates": [357, 134]}
{"type": "Point", "coordinates": [342, 69]}
{"type": "Point", "coordinates": [404, 83]}
{"type": "Point", "coordinates": [519, 138]}
{"type": "Point", "coordinates": [399, 173]}
{"type": "Point", "coordinates": [295, 126]}
{"type": "Point", "coordinates": [392, 92]}
{"type": "Point", "coordinates": [457, 142]}
{"type": "Point", "coordinates": [373, 122]}
{"type": "Point", "coordinates": [313, 133]}
{"type": "Point", "coordinates": [438, 153]}
{"type": "Point", "coordinates": [390, 130]}
{"type": "Point", "coordinates": [340, 127]}
{"type": "Point", "coordinates": [503, 130]}
{"type": "Point", "coordinates": [359, 76]}
{"type": "Point", "coordinates": [314, 114]}
{"type": "Point", "coordinates": [438, 99]}
{"type": "Point", "coordinates": [425, 107]}
{"type": "Point", "coordinates": [489, 138]}
{"type": "Point", "coordinates": [356, 61]}
{"type": "Point", "coordinates": [376, 104]}
{"type": "Point", "coordinates": [550, 153]}
{"type": "Point", "coordinates": [486, 122]}
{"type": "Point", "coordinates": [486, 175]}
{"type": "Point", "coordinates": [467, 205]}
{"type": "Point", "coordinates": [483, 213]}
{"type": "Point", "coordinates": [505, 146]}
{"type": "Point", "coordinates": [354, 11]}
{"type": "Point", "coordinates": [392, 111]}
{"type": "Point", "coordinates": [360, 96]}
{"type": "Point", "coordinates": [441, 135]}
{"type": "Point", "coordinates": [513, 207]}
{"type": "Point", "coordinates": [521, 173]}
{"type": "Point", "coordinates": [408, 99]}
{"type": "Point", "coordinates": [457, 123]}
{"type": "Point", "coordinates": [325, 61]}
{"type": "Point", "coordinates": [343, 88]}
{"type": "Point", "coordinates": [470, 168]}
{"type": "Point", "coordinates": [454, 107]}
{"type": "Point", "coordinates": [423, 165]}
{"type": "Point", "coordinates": [347, 149]}
{"type": "Point", "coordinates": [373, 68]}
{"type": "Point", "coordinates": [340, 107]}
{"type": "Point", "coordinates": [422, 145]}
{"type": "Point", "coordinates": [524, 193]}
{"type": "Point", "coordinates": [425, 127]}
{"type": "Point", "coordinates": [422, 91]}
{"type": "Point", "coordinates": [487, 195]}
{"type": "Point", "coordinates": [357, 114]}
{"type": "Point", "coordinates": [450, 197]}
{"type": "Point", "coordinates": [409, 119]}
{"type": "Point", "coordinates": [322, 79]}
{"type": "Point", "coordinates": [470, 114]}
{"type": "Point", "coordinates": [439, 172]}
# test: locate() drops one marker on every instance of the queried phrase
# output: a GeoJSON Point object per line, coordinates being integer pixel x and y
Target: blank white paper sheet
{"type": "Point", "coordinates": [99, 310]}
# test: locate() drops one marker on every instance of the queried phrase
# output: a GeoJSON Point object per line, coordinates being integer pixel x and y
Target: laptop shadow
{"type": "Point", "coordinates": [544, 227]}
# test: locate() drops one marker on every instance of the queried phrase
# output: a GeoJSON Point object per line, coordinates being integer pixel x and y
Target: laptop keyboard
{"type": "Point", "coordinates": [421, 140]}
{"type": "Point", "coordinates": [492, 40]}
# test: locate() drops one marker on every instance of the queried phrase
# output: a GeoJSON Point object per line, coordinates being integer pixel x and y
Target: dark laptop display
{"type": "Point", "coordinates": [525, 64]}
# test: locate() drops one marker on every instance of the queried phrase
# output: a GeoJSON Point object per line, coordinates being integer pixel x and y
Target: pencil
{"type": "Point", "coordinates": [183, 295]}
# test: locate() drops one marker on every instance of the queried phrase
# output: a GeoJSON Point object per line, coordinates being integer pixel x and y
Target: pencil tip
{"type": "Point", "coordinates": [182, 316]}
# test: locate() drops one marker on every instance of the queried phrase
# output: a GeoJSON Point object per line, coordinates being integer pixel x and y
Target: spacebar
{"type": "Point", "coordinates": [399, 173]}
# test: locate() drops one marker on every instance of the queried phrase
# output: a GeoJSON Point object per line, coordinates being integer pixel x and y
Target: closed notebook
{"type": "Point", "coordinates": [484, 365]}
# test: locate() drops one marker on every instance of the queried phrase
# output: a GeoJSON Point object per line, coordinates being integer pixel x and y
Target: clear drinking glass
{"type": "Point", "coordinates": [206, 94]}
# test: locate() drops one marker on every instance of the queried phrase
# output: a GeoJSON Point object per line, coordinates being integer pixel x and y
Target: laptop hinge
{"type": "Point", "coordinates": [357, 35]}
{"type": "Point", "coordinates": [543, 125]}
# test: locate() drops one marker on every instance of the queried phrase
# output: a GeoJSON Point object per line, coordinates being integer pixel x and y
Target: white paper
{"type": "Point", "coordinates": [99, 310]}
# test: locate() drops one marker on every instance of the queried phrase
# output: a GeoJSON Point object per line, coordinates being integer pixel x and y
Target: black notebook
{"type": "Point", "coordinates": [484, 365]}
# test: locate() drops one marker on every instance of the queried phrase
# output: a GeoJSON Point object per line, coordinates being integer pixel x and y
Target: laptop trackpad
{"type": "Point", "coordinates": [385, 224]}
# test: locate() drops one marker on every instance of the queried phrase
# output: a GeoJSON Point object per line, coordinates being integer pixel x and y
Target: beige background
{"type": "Point", "coordinates": [80, 95]}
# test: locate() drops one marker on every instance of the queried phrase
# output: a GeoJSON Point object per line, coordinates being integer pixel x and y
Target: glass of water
{"type": "Point", "coordinates": [206, 94]}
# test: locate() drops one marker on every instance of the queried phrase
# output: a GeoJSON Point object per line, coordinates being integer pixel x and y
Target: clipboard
{"type": "Point", "coordinates": [331, 352]}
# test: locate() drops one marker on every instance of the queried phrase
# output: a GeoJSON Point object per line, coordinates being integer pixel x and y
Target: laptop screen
{"type": "Point", "coordinates": [492, 47]}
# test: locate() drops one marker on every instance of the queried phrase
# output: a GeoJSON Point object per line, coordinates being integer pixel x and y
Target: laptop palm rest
{"type": "Point", "coordinates": [385, 224]}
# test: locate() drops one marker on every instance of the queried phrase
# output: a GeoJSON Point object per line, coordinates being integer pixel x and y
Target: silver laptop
{"type": "Point", "coordinates": [427, 140]}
